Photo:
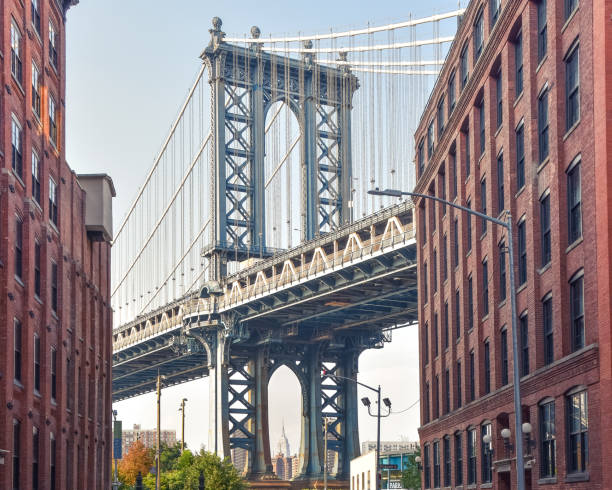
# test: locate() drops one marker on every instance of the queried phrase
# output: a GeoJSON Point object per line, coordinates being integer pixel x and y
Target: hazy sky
{"type": "Point", "coordinates": [130, 64]}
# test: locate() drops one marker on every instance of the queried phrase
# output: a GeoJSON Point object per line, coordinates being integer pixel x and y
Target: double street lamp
{"type": "Point", "coordinates": [366, 401]}
{"type": "Point", "coordinates": [507, 224]}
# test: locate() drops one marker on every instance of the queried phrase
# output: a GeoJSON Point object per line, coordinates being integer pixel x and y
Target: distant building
{"type": "Point", "coordinates": [239, 456]}
{"type": "Point", "coordinates": [393, 463]}
{"type": "Point", "coordinates": [148, 437]}
{"type": "Point", "coordinates": [282, 462]}
{"type": "Point", "coordinates": [295, 465]}
{"type": "Point", "coordinates": [387, 446]}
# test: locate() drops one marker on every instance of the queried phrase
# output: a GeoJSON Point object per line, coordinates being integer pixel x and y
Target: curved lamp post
{"type": "Point", "coordinates": [507, 224]}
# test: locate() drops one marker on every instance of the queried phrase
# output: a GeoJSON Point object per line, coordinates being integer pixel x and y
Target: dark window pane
{"type": "Point", "coordinates": [458, 459]}
{"type": "Point", "coordinates": [504, 357]}
{"type": "Point", "coordinates": [577, 313]}
{"type": "Point", "coordinates": [518, 63]}
{"type": "Point", "coordinates": [543, 126]}
{"type": "Point", "coordinates": [520, 157]}
{"type": "Point", "coordinates": [549, 348]}
{"type": "Point", "coordinates": [548, 449]}
{"type": "Point", "coordinates": [524, 345]}
{"type": "Point", "coordinates": [522, 252]}
{"type": "Point", "coordinates": [545, 229]}
{"type": "Point", "coordinates": [577, 433]}
{"type": "Point", "coordinates": [574, 203]}
{"type": "Point", "coordinates": [542, 30]}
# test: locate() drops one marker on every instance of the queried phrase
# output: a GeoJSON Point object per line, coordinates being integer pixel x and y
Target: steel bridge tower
{"type": "Point", "coordinates": [245, 82]}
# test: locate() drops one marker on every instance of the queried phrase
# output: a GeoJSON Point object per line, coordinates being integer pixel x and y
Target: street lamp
{"type": "Point", "coordinates": [116, 483]}
{"type": "Point", "coordinates": [158, 452]}
{"type": "Point", "coordinates": [507, 224]}
{"type": "Point", "coordinates": [182, 410]}
{"type": "Point", "coordinates": [366, 402]}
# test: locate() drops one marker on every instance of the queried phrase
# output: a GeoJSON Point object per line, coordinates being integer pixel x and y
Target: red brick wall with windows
{"type": "Point", "coordinates": [585, 365]}
{"type": "Point", "coordinates": [78, 327]}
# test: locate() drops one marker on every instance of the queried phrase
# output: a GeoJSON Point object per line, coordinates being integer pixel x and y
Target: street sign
{"type": "Point", "coordinates": [117, 429]}
{"type": "Point", "coordinates": [388, 467]}
{"type": "Point", "coordinates": [396, 484]}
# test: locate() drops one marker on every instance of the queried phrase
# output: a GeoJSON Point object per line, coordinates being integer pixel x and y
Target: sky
{"type": "Point", "coordinates": [130, 64]}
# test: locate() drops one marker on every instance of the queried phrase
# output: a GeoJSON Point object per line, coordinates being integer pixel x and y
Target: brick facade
{"type": "Point", "coordinates": [55, 416]}
{"type": "Point", "coordinates": [574, 363]}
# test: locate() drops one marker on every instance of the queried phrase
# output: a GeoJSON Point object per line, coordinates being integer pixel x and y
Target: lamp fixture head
{"type": "Point", "coordinates": [417, 460]}
{"type": "Point", "coordinates": [487, 438]}
{"type": "Point", "coordinates": [506, 433]}
{"type": "Point", "coordinates": [366, 401]}
{"type": "Point", "coordinates": [387, 402]}
{"type": "Point", "coordinates": [526, 428]}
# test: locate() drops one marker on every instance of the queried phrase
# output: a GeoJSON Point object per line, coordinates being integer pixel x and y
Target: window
{"type": "Point", "coordinates": [472, 383]}
{"type": "Point", "coordinates": [487, 366]}
{"type": "Point", "coordinates": [16, 453]}
{"type": "Point", "coordinates": [478, 36]}
{"type": "Point", "coordinates": [458, 459]}
{"type": "Point", "coordinates": [427, 466]}
{"type": "Point", "coordinates": [16, 65]}
{"type": "Point", "coordinates": [485, 287]}
{"type": "Point", "coordinates": [421, 157]}
{"type": "Point", "coordinates": [52, 122]}
{"type": "Point", "coordinates": [468, 164]}
{"type": "Point", "coordinates": [53, 44]}
{"type": "Point", "coordinates": [17, 147]}
{"type": "Point", "coordinates": [574, 203]}
{"type": "Point", "coordinates": [445, 257]}
{"type": "Point", "coordinates": [471, 449]}
{"type": "Point", "coordinates": [440, 117]}
{"type": "Point", "coordinates": [436, 395]}
{"type": "Point", "coordinates": [35, 450]}
{"type": "Point", "coordinates": [549, 347]}
{"type": "Point", "coordinates": [520, 156]}
{"type": "Point", "coordinates": [498, 98]}
{"type": "Point", "coordinates": [578, 432]}
{"type": "Point", "coordinates": [426, 342]}
{"type": "Point", "coordinates": [453, 160]}
{"type": "Point", "coordinates": [17, 350]}
{"type": "Point", "coordinates": [54, 286]}
{"type": "Point", "coordinates": [548, 443]}
{"type": "Point", "coordinates": [18, 248]}
{"type": "Point", "coordinates": [502, 271]}
{"type": "Point", "coordinates": [469, 225]}
{"type": "Point", "coordinates": [36, 363]}
{"type": "Point", "coordinates": [522, 252]}
{"type": "Point", "coordinates": [518, 64]}
{"type": "Point", "coordinates": [451, 93]}
{"type": "Point", "coordinates": [435, 334]}
{"type": "Point", "coordinates": [446, 391]}
{"type": "Point", "coordinates": [481, 116]}
{"type": "Point", "coordinates": [35, 91]}
{"type": "Point", "coordinates": [463, 66]}
{"type": "Point", "coordinates": [35, 177]}
{"type": "Point", "coordinates": [524, 346]}
{"type": "Point", "coordinates": [434, 269]}
{"type": "Point", "coordinates": [457, 314]}
{"type": "Point", "coordinates": [459, 390]}
{"type": "Point", "coordinates": [422, 217]}
{"type": "Point", "coordinates": [455, 242]}
{"type": "Point", "coordinates": [35, 11]}
{"type": "Point", "coordinates": [483, 205]}
{"type": "Point", "coordinates": [501, 202]}
{"type": "Point", "coordinates": [577, 312]}
{"type": "Point", "coordinates": [447, 461]}
{"type": "Point", "coordinates": [542, 30]}
{"type": "Point", "coordinates": [52, 201]}
{"type": "Point", "coordinates": [470, 304]}
{"type": "Point", "coordinates": [430, 140]}
{"type": "Point", "coordinates": [487, 454]}
{"type": "Point", "coordinates": [436, 464]}
{"type": "Point", "coordinates": [543, 125]}
{"type": "Point", "coordinates": [53, 373]}
{"type": "Point", "coordinates": [37, 269]}
{"type": "Point", "coordinates": [570, 6]}
{"type": "Point", "coordinates": [494, 9]}
{"type": "Point", "coordinates": [52, 457]}
{"type": "Point", "coordinates": [504, 357]}
{"type": "Point", "coordinates": [442, 179]}
{"type": "Point", "coordinates": [427, 410]}
{"type": "Point", "coordinates": [446, 325]}
{"type": "Point", "coordinates": [545, 228]}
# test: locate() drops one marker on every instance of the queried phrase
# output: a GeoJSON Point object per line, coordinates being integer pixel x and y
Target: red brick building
{"type": "Point", "coordinates": [519, 121]}
{"type": "Point", "coordinates": [55, 317]}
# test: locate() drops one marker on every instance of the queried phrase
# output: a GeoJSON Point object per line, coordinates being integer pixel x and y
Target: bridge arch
{"type": "Point", "coordinates": [283, 179]}
{"type": "Point", "coordinates": [286, 394]}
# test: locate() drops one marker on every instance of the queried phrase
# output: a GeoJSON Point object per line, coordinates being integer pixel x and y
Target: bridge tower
{"type": "Point", "coordinates": [245, 82]}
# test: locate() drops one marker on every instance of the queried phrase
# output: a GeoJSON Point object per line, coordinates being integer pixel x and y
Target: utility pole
{"type": "Point", "coordinates": [158, 456]}
{"type": "Point", "coordinates": [182, 409]}
{"type": "Point", "coordinates": [325, 456]}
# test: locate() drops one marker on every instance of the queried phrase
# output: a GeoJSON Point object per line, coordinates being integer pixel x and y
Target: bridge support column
{"type": "Point", "coordinates": [312, 421]}
{"type": "Point", "coordinates": [262, 462]}
{"type": "Point", "coordinates": [218, 429]}
{"type": "Point", "coordinates": [350, 425]}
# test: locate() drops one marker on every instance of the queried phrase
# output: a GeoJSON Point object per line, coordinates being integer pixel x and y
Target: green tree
{"type": "Point", "coordinates": [185, 473]}
{"type": "Point", "coordinates": [411, 476]}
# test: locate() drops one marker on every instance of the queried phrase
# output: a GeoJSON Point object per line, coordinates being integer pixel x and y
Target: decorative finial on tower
{"type": "Point", "coordinates": [307, 55]}
{"type": "Point", "coordinates": [344, 65]}
{"type": "Point", "coordinates": [216, 34]}
{"type": "Point", "coordinates": [255, 32]}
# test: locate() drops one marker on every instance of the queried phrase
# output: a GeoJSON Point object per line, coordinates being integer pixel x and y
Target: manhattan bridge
{"type": "Point", "coordinates": [253, 244]}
